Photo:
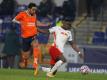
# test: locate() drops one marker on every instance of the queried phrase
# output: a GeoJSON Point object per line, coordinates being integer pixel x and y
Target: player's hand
{"type": "Point", "coordinates": [81, 55]}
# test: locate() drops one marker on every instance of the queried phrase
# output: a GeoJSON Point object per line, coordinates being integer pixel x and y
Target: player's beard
{"type": "Point", "coordinates": [32, 14]}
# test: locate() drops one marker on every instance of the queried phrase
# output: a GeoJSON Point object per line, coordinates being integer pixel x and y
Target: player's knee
{"type": "Point", "coordinates": [64, 60]}
{"type": "Point", "coordinates": [25, 55]}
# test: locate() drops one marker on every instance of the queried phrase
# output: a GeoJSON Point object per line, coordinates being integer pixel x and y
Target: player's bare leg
{"type": "Point", "coordinates": [24, 59]}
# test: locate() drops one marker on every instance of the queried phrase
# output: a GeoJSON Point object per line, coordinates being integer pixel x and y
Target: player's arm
{"type": "Point", "coordinates": [15, 21]}
{"type": "Point", "coordinates": [47, 31]}
{"type": "Point", "coordinates": [18, 18]}
{"type": "Point", "coordinates": [42, 24]}
{"type": "Point", "coordinates": [74, 46]}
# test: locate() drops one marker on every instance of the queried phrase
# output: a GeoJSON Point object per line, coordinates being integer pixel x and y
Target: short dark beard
{"type": "Point", "coordinates": [64, 28]}
{"type": "Point", "coordinates": [31, 14]}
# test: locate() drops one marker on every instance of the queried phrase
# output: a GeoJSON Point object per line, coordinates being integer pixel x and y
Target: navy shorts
{"type": "Point", "coordinates": [26, 43]}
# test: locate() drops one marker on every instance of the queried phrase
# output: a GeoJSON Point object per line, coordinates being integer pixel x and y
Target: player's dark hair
{"type": "Point", "coordinates": [31, 5]}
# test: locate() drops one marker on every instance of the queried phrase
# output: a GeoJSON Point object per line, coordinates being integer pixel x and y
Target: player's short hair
{"type": "Point", "coordinates": [31, 5]}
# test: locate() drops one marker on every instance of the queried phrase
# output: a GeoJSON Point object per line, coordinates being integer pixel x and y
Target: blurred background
{"type": "Point", "coordinates": [89, 19]}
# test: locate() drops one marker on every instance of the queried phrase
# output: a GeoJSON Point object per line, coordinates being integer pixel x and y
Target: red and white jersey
{"type": "Point", "coordinates": [61, 36]}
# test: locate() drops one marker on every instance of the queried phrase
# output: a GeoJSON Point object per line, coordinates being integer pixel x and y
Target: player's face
{"type": "Point", "coordinates": [67, 25]}
{"type": "Point", "coordinates": [33, 10]}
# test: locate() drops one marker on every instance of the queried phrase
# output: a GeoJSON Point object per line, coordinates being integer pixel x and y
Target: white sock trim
{"type": "Point", "coordinates": [45, 69]}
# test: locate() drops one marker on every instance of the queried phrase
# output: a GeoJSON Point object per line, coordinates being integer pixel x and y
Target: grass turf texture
{"type": "Point", "coordinates": [19, 74]}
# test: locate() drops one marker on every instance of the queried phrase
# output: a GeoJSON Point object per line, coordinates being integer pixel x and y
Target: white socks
{"type": "Point", "coordinates": [46, 69]}
{"type": "Point", "coordinates": [56, 66]}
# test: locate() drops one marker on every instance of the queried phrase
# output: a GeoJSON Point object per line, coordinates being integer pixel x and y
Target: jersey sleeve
{"type": "Point", "coordinates": [70, 37]}
{"type": "Point", "coordinates": [53, 29]}
{"type": "Point", "coordinates": [19, 17]}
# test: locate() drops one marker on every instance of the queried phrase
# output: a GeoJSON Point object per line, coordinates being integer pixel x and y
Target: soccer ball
{"type": "Point", "coordinates": [84, 69]}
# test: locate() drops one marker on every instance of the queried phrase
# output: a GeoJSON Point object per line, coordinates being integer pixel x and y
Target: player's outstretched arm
{"type": "Point", "coordinates": [74, 46]}
{"type": "Point", "coordinates": [42, 24]}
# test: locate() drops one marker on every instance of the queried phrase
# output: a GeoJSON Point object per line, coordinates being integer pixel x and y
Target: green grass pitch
{"type": "Point", "coordinates": [22, 74]}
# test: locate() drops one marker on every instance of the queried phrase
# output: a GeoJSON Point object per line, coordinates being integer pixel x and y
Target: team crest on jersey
{"type": "Point", "coordinates": [64, 33]}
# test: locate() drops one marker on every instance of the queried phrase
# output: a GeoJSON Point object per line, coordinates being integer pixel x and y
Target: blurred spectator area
{"type": "Point", "coordinates": [87, 32]}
